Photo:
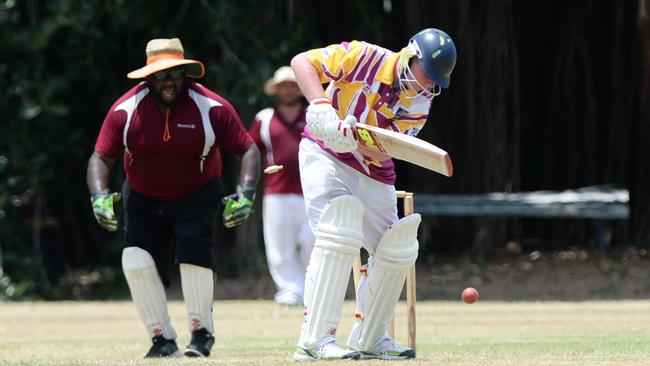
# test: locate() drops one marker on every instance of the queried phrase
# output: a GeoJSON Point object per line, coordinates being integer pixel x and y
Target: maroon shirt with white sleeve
{"type": "Point", "coordinates": [200, 123]}
{"type": "Point", "coordinates": [278, 141]}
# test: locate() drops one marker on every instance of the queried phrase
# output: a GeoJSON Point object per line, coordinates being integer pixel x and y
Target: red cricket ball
{"type": "Point", "coordinates": [469, 295]}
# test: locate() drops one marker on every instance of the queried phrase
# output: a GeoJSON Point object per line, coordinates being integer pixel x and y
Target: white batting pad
{"type": "Point", "coordinates": [147, 291]}
{"type": "Point", "coordinates": [338, 240]}
{"type": "Point", "coordinates": [378, 294]}
{"type": "Point", "coordinates": [198, 291]}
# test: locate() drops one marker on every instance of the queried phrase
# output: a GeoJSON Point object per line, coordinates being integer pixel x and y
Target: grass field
{"type": "Point", "coordinates": [261, 333]}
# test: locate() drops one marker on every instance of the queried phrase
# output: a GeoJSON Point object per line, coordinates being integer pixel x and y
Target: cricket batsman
{"type": "Point", "coordinates": [349, 191]}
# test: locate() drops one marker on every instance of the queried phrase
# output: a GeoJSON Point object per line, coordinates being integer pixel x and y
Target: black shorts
{"type": "Point", "coordinates": [176, 231]}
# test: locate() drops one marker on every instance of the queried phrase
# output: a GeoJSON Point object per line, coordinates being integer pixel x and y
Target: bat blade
{"type": "Point", "coordinates": [404, 147]}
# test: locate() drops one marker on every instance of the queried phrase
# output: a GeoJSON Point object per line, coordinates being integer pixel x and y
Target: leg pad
{"type": "Point", "coordinates": [147, 291]}
{"type": "Point", "coordinates": [379, 292]}
{"type": "Point", "coordinates": [338, 240]}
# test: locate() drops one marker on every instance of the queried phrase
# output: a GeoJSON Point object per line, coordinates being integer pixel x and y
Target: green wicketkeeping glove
{"type": "Point", "coordinates": [238, 206]}
{"type": "Point", "coordinates": [104, 210]}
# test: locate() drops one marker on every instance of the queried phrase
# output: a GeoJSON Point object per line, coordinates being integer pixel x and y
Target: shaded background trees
{"type": "Point", "coordinates": [544, 96]}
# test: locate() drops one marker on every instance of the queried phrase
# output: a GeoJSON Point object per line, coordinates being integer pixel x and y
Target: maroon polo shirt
{"type": "Point", "coordinates": [199, 125]}
{"type": "Point", "coordinates": [278, 142]}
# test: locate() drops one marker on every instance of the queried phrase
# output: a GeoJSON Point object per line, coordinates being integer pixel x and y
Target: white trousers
{"type": "Point", "coordinates": [323, 178]}
{"type": "Point", "coordinates": [288, 241]}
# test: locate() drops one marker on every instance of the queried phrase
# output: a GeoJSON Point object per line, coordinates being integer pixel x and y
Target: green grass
{"type": "Point", "coordinates": [261, 333]}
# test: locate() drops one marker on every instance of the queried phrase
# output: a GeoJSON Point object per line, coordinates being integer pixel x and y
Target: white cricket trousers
{"type": "Point", "coordinates": [288, 241]}
{"type": "Point", "coordinates": [325, 178]}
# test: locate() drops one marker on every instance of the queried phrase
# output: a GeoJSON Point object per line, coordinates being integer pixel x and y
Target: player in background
{"type": "Point", "coordinates": [169, 131]}
{"type": "Point", "coordinates": [349, 191]}
{"type": "Point", "coordinates": [287, 236]}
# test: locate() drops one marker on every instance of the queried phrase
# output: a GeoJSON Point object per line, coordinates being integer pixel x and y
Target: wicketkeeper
{"type": "Point", "coordinates": [169, 131]}
{"type": "Point", "coordinates": [349, 192]}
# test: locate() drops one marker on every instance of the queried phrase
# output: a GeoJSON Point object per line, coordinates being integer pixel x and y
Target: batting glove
{"type": "Point", "coordinates": [320, 113]}
{"type": "Point", "coordinates": [341, 136]}
{"type": "Point", "coordinates": [238, 206]}
{"type": "Point", "coordinates": [104, 209]}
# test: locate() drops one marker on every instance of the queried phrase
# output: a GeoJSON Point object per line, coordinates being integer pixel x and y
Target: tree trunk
{"type": "Point", "coordinates": [639, 193]}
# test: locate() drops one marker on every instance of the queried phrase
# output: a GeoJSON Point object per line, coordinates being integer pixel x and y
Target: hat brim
{"type": "Point", "coordinates": [271, 87]}
{"type": "Point", "coordinates": [195, 70]}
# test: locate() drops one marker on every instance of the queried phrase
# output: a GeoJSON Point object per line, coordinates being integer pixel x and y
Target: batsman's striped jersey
{"type": "Point", "coordinates": [362, 82]}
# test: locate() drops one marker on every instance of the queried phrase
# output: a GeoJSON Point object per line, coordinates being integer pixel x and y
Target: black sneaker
{"type": "Point", "coordinates": [201, 344]}
{"type": "Point", "coordinates": [162, 348]}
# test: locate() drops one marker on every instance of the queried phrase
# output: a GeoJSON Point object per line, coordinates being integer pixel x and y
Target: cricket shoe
{"type": "Point", "coordinates": [201, 344]}
{"type": "Point", "coordinates": [163, 348]}
{"type": "Point", "coordinates": [327, 350]}
{"type": "Point", "coordinates": [288, 299]}
{"type": "Point", "coordinates": [387, 349]}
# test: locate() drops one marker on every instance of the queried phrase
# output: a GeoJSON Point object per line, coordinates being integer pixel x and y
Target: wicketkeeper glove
{"type": "Point", "coordinates": [341, 136]}
{"type": "Point", "coordinates": [104, 209]}
{"type": "Point", "coordinates": [319, 114]}
{"type": "Point", "coordinates": [238, 206]}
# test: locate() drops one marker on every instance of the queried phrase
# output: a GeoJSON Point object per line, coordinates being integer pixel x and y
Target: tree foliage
{"type": "Point", "coordinates": [540, 99]}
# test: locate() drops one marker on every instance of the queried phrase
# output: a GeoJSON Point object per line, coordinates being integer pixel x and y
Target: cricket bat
{"type": "Point", "coordinates": [404, 147]}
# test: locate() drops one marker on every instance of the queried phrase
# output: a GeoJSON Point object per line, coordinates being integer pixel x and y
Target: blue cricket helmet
{"type": "Point", "coordinates": [437, 52]}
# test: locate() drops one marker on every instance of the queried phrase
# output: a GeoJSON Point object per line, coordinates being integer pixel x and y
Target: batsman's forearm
{"type": "Point", "coordinates": [98, 173]}
{"type": "Point", "coordinates": [250, 167]}
{"type": "Point", "coordinates": [307, 77]}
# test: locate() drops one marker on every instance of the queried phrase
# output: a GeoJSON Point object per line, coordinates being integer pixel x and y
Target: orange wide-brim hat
{"type": "Point", "coordinates": [165, 54]}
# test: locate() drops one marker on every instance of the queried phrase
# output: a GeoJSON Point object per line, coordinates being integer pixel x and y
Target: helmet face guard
{"type": "Point", "coordinates": [409, 84]}
{"type": "Point", "coordinates": [437, 53]}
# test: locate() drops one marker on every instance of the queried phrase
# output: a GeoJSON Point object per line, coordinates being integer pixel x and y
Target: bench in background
{"type": "Point", "coordinates": [602, 203]}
